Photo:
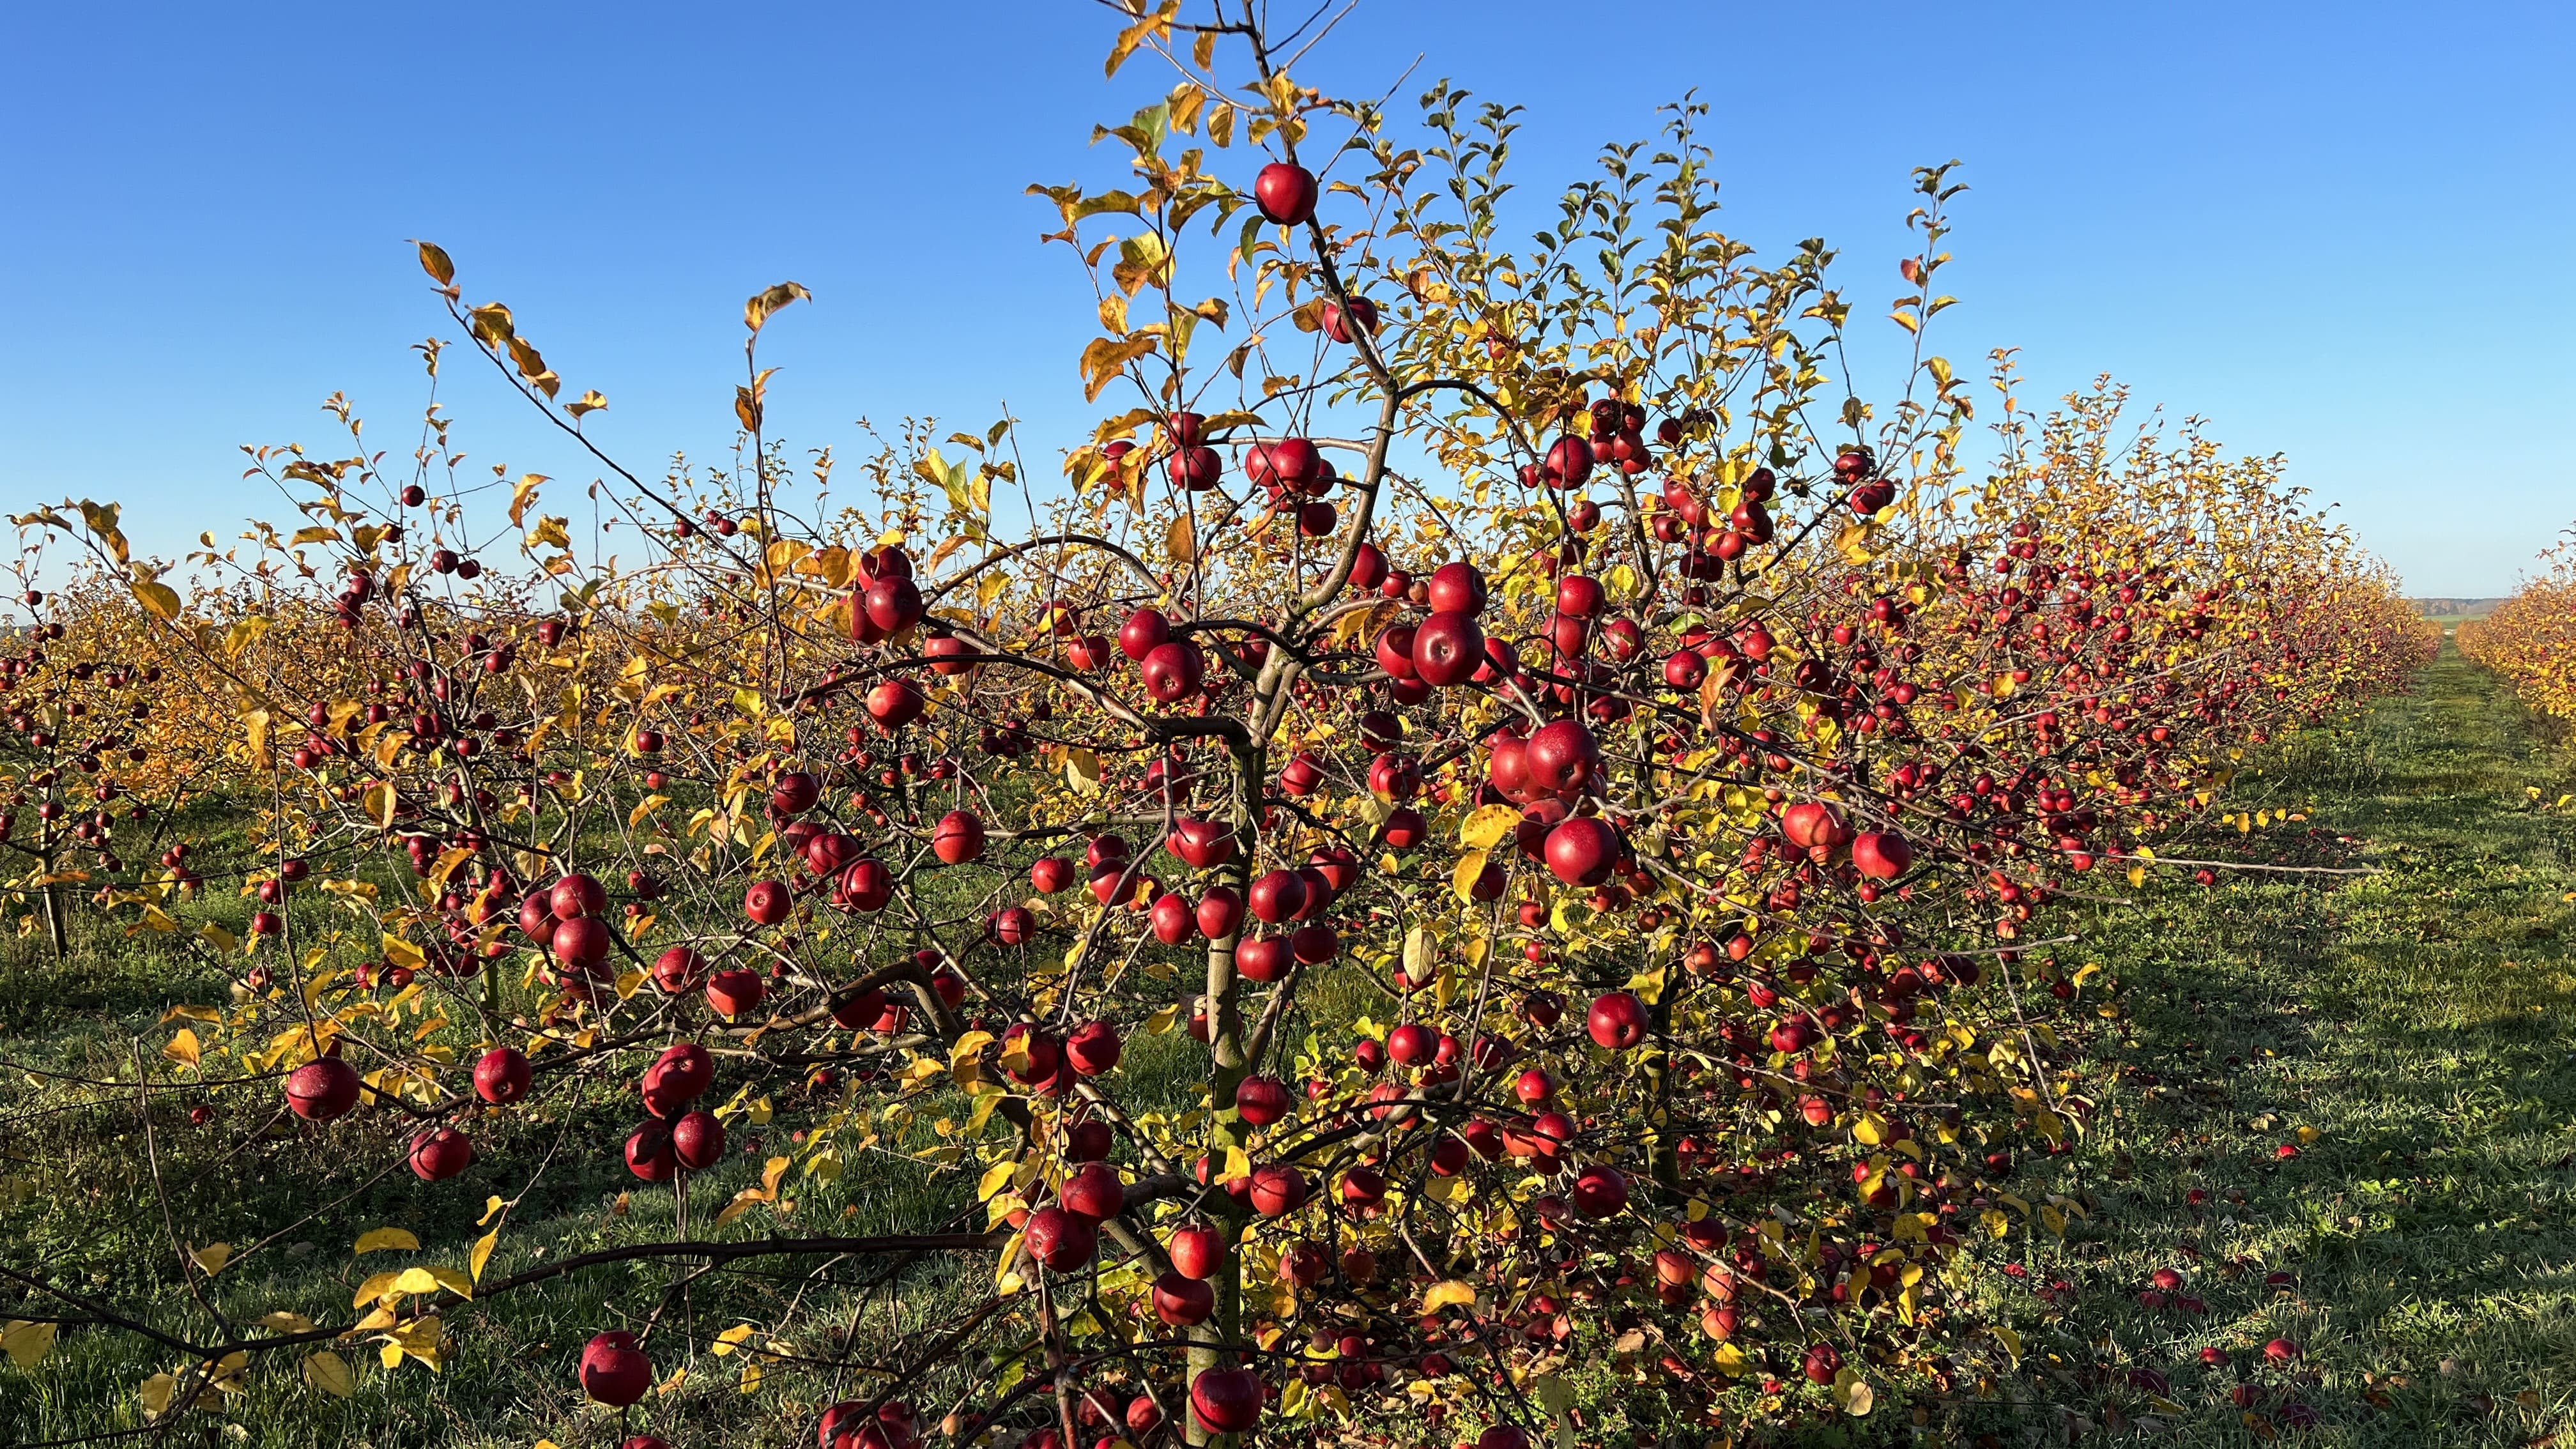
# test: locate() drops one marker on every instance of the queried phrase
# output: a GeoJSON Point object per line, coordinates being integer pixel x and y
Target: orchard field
{"type": "Point", "coordinates": [1500, 854]}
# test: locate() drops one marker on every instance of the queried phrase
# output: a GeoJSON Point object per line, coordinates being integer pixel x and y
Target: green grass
{"type": "Point", "coordinates": [2422, 1021]}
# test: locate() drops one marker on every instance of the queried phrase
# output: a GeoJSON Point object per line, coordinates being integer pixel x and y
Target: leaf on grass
{"type": "Point", "coordinates": [27, 1343]}
{"type": "Point", "coordinates": [331, 1374]}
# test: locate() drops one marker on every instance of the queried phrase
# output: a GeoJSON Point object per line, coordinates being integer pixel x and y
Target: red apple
{"type": "Point", "coordinates": [1285, 192]}
{"type": "Point", "coordinates": [1616, 1021]}
{"type": "Point", "coordinates": [322, 1089]}
{"type": "Point", "coordinates": [502, 1076]}
{"type": "Point", "coordinates": [614, 1371]}
{"type": "Point", "coordinates": [440, 1154]}
{"type": "Point", "coordinates": [1093, 1048]}
{"type": "Point", "coordinates": [958, 838]}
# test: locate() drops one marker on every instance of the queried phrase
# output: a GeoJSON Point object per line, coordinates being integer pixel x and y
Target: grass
{"type": "Point", "coordinates": [2418, 1020]}
{"type": "Point", "coordinates": [2417, 1028]}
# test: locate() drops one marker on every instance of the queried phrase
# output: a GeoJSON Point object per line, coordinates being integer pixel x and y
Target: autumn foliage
{"type": "Point", "coordinates": [1677, 754]}
{"type": "Point", "coordinates": [2531, 639]}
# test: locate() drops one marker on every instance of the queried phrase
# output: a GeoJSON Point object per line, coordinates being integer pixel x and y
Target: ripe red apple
{"type": "Point", "coordinates": [1881, 855]}
{"type": "Point", "coordinates": [649, 1155]}
{"type": "Point", "coordinates": [1345, 320]}
{"type": "Point", "coordinates": [698, 1141]}
{"type": "Point", "coordinates": [1013, 926]}
{"type": "Point", "coordinates": [892, 605]}
{"type": "Point", "coordinates": [1314, 943]}
{"type": "Point", "coordinates": [1061, 1240]}
{"type": "Point", "coordinates": [1262, 958]}
{"type": "Point", "coordinates": [1201, 844]}
{"type": "Point", "coordinates": [1087, 1141]}
{"type": "Point", "coordinates": [795, 792]}
{"type": "Point", "coordinates": [1617, 1021]}
{"type": "Point", "coordinates": [866, 885]}
{"type": "Point", "coordinates": [322, 1089]}
{"type": "Point", "coordinates": [1458, 588]}
{"type": "Point", "coordinates": [440, 1154]}
{"type": "Point", "coordinates": [1093, 1048]}
{"type": "Point", "coordinates": [1569, 462]}
{"type": "Point", "coordinates": [1448, 648]}
{"type": "Point", "coordinates": [1049, 874]}
{"type": "Point", "coordinates": [614, 1371]}
{"type": "Point", "coordinates": [1600, 1191]}
{"type": "Point", "coordinates": [1196, 1250]}
{"type": "Point", "coordinates": [1395, 651]}
{"type": "Point", "coordinates": [1145, 631]}
{"type": "Point", "coordinates": [1261, 1100]}
{"type": "Point", "coordinates": [1174, 672]}
{"type": "Point", "coordinates": [1226, 1401]}
{"type": "Point", "coordinates": [1094, 1192]}
{"type": "Point", "coordinates": [1181, 1301]}
{"type": "Point", "coordinates": [1172, 919]}
{"type": "Point", "coordinates": [767, 902]}
{"type": "Point", "coordinates": [682, 1073]}
{"type": "Point", "coordinates": [1277, 1189]}
{"type": "Point", "coordinates": [1561, 757]}
{"type": "Point", "coordinates": [894, 703]}
{"type": "Point", "coordinates": [1278, 896]}
{"type": "Point", "coordinates": [575, 896]}
{"type": "Point", "coordinates": [581, 942]}
{"type": "Point", "coordinates": [502, 1076]}
{"type": "Point", "coordinates": [1581, 850]}
{"type": "Point", "coordinates": [736, 992]}
{"type": "Point", "coordinates": [958, 838]}
{"type": "Point", "coordinates": [1285, 192]}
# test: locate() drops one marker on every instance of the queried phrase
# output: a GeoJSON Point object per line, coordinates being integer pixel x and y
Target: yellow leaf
{"type": "Point", "coordinates": [183, 1048]}
{"type": "Point", "coordinates": [27, 1343]}
{"type": "Point", "coordinates": [522, 494]}
{"type": "Point", "coordinates": [1082, 770]}
{"type": "Point", "coordinates": [491, 1205]}
{"type": "Point", "coordinates": [399, 952]}
{"type": "Point", "coordinates": [433, 260]}
{"type": "Point", "coordinates": [1417, 954]}
{"type": "Point", "coordinates": [212, 1257]}
{"type": "Point", "coordinates": [1489, 824]}
{"type": "Point", "coordinates": [731, 1339]}
{"type": "Point", "coordinates": [1449, 1293]}
{"type": "Point", "coordinates": [1180, 543]}
{"type": "Point", "coordinates": [156, 1393]}
{"type": "Point", "coordinates": [995, 1178]}
{"type": "Point", "coordinates": [285, 1321]}
{"type": "Point", "coordinates": [1731, 1361]}
{"type": "Point", "coordinates": [1471, 868]}
{"type": "Point", "coordinates": [757, 311]}
{"type": "Point", "coordinates": [453, 1281]}
{"type": "Point", "coordinates": [644, 807]}
{"type": "Point", "coordinates": [331, 1374]}
{"type": "Point", "coordinates": [2010, 1340]}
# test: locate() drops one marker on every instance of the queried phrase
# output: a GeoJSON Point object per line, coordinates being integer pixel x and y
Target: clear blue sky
{"type": "Point", "coordinates": [2337, 231]}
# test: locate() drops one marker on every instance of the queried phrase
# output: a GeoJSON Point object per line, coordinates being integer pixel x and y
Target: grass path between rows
{"type": "Point", "coordinates": [2345, 1112]}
